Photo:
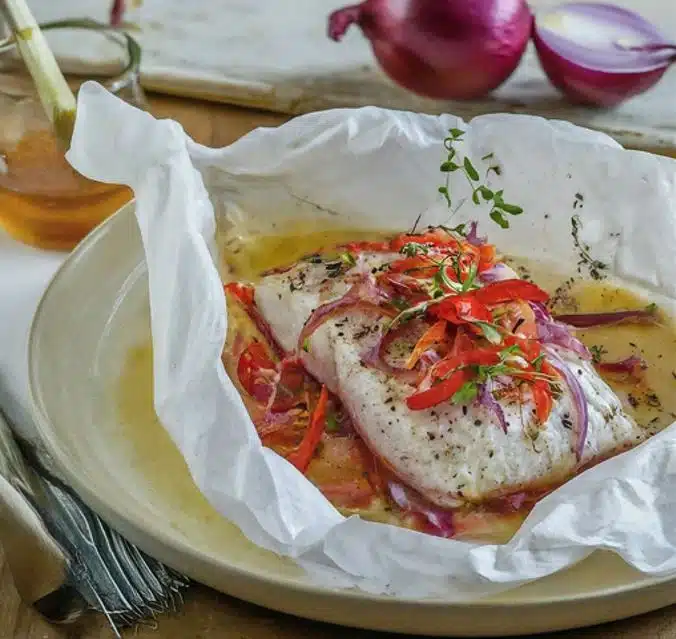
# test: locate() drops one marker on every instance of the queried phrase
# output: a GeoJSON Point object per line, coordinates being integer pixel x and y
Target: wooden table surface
{"type": "Point", "coordinates": [207, 614]}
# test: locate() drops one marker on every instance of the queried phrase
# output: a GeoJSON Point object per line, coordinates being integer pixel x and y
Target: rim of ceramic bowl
{"type": "Point", "coordinates": [156, 532]}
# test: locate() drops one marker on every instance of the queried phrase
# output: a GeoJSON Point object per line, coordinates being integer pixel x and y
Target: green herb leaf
{"type": "Point", "coordinates": [399, 303]}
{"type": "Point", "coordinates": [510, 208]}
{"type": "Point", "coordinates": [597, 353]}
{"type": "Point", "coordinates": [456, 133]}
{"type": "Point", "coordinates": [466, 393]}
{"type": "Point", "coordinates": [472, 173]}
{"type": "Point", "coordinates": [537, 362]}
{"type": "Point", "coordinates": [515, 349]}
{"type": "Point", "coordinates": [489, 332]}
{"type": "Point", "coordinates": [475, 198]}
{"type": "Point", "coordinates": [486, 193]}
{"type": "Point", "coordinates": [331, 422]}
{"type": "Point", "coordinates": [348, 259]}
{"type": "Point", "coordinates": [488, 156]}
{"type": "Point", "coordinates": [497, 197]}
{"type": "Point", "coordinates": [306, 344]}
{"type": "Point", "coordinates": [471, 277]}
{"type": "Point", "coordinates": [499, 219]}
{"type": "Point", "coordinates": [449, 167]}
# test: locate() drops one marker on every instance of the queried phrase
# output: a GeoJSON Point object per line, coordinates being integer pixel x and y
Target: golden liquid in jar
{"type": "Point", "coordinates": [44, 202]}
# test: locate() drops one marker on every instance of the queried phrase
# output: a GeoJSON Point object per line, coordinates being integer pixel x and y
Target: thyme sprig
{"type": "Point", "coordinates": [499, 208]}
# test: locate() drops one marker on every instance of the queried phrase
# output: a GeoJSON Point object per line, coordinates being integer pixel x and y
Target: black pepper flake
{"type": "Point", "coordinates": [653, 400]}
{"type": "Point", "coordinates": [632, 344]}
{"type": "Point", "coordinates": [633, 402]}
{"type": "Point", "coordinates": [464, 409]}
{"type": "Point", "coordinates": [436, 455]}
{"type": "Point", "coordinates": [393, 408]}
{"type": "Point", "coordinates": [491, 453]}
{"type": "Point", "coordinates": [477, 422]}
{"type": "Point", "coordinates": [389, 400]}
{"type": "Point", "coordinates": [431, 436]}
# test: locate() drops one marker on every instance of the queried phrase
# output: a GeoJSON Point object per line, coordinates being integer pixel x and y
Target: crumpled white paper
{"type": "Point", "coordinates": [377, 168]}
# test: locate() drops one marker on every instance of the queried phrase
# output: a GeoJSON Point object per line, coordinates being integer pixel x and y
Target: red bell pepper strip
{"type": "Point", "coordinates": [418, 266]}
{"type": "Point", "coordinates": [476, 357]}
{"type": "Point", "coordinates": [510, 290]}
{"type": "Point", "coordinates": [462, 309]}
{"type": "Point", "coordinates": [542, 397]}
{"type": "Point", "coordinates": [437, 237]}
{"type": "Point", "coordinates": [244, 294]}
{"type": "Point", "coordinates": [256, 372]}
{"type": "Point", "coordinates": [433, 335]}
{"type": "Point", "coordinates": [302, 456]}
{"type": "Point", "coordinates": [487, 255]}
{"type": "Point", "coordinates": [366, 247]}
{"type": "Point", "coordinates": [438, 393]}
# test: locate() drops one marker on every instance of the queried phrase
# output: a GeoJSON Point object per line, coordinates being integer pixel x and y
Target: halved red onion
{"type": "Point", "coordinates": [600, 54]}
{"type": "Point", "coordinates": [487, 400]}
{"type": "Point", "coordinates": [442, 49]}
{"type": "Point", "coordinates": [591, 320]}
{"type": "Point", "coordinates": [632, 366]}
{"type": "Point", "coordinates": [365, 295]}
{"type": "Point", "coordinates": [551, 331]}
{"type": "Point", "coordinates": [579, 400]}
{"type": "Point", "coordinates": [440, 521]}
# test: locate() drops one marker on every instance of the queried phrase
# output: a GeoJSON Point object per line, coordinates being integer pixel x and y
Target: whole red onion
{"type": "Point", "coordinates": [442, 49]}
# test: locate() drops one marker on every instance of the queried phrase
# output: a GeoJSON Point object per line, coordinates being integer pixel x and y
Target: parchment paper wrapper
{"type": "Point", "coordinates": [378, 168]}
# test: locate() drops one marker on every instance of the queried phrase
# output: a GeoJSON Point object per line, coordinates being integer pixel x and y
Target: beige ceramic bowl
{"type": "Point", "coordinates": [127, 470]}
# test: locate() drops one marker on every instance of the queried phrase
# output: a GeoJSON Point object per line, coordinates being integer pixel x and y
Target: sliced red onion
{"type": "Point", "coordinates": [552, 332]}
{"type": "Point", "coordinates": [364, 294]}
{"type": "Point", "coordinates": [472, 236]}
{"type": "Point", "coordinates": [442, 49]}
{"type": "Point", "coordinates": [578, 396]}
{"type": "Point", "coordinates": [373, 358]}
{"type": "Point", "coordinates": [632, 366]}
{"type": "Point", "coordinates": [497, 273]}
{"type": "Point", "coordinates": [600, 54]}
{"type": "Point", "coordinates": [591, 320]}
{"type": "Point", "coordinates": [487, 400]}
{"type": "Point", "coordinates": [440, 521]}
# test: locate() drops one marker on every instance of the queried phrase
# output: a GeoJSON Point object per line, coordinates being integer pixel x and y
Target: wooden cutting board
{"type": "Point", "coordinates": [275, 55]}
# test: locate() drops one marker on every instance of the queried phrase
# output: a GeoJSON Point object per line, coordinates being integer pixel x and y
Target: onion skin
{"type": "Point", "coordinates": [590, 87]}
{"type": "Point", "coordinates": [442, 49]}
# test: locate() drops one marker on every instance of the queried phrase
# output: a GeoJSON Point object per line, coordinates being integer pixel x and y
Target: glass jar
{"type": "Point", "coordinates": [44, 202]}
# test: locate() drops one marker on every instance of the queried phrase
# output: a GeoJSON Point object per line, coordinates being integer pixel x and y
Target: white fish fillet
{"type": "Point", "coordinates": [450, 454]}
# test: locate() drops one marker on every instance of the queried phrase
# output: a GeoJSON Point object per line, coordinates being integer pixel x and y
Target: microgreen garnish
{"type": "Point", "coordinates": [306, 344]}
{"type": "Point", "coordinates": [348, 259]}
{"type": "Point", "coordinates": [597, 353]}
{"type": "Point", "coordinates": [466, 393]}
{"type": "Point", "coordinates": [595, 266]}
{"type": "Point", "coordinates": [499, 208]}
{"type": "Point", "coordinates": [489, 332]}
{"type": "Point", "coordinates": [412, 249]}
{"type": "Point", "coordinates": [331, 422]}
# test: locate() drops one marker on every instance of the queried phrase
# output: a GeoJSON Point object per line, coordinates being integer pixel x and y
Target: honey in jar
{"type": "Point", "coordinates": [44, 202]}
